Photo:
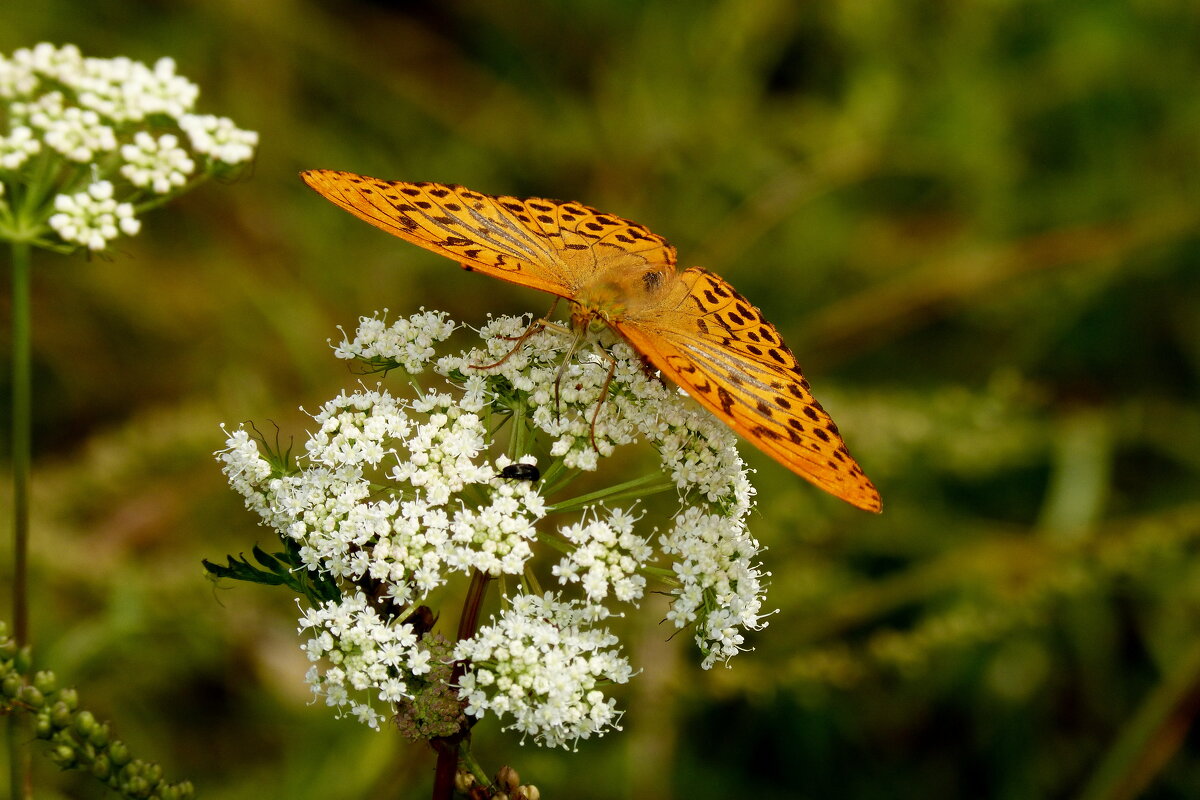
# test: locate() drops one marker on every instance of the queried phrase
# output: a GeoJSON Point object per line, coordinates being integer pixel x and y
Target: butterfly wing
{"type": "Point", "coordinates": [718, 347]}
{"type": "Point", "coordinates": [544, 244]}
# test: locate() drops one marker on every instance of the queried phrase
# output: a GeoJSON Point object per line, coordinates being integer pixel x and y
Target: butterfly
{"type": "Point", "coordinates": [692, 325]}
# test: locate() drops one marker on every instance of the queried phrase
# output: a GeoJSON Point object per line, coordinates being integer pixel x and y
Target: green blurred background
{"type": "Point", "coordinates": [976, 225]}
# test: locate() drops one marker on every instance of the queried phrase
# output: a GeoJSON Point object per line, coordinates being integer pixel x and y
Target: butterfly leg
{"type": "Point", "coordinates": [612, 370]}
{"type": "Point", "coordinates": [562, 368]}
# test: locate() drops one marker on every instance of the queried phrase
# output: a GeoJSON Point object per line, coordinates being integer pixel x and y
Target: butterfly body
{"type": "Point", "coordinates": [692, 326]}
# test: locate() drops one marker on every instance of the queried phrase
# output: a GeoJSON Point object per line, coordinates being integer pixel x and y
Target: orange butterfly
{"type": "Point", "coordinates": [693, 326]}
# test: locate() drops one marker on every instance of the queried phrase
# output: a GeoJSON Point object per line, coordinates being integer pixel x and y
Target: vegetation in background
{"type": "Point", "coordinates": [976, 224]}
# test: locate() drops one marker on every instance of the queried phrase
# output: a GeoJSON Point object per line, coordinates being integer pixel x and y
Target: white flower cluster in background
{"type": "Point", "coordinates": [92, 218]}
{"type": "Point", "coordinates": [74, 123]}
{"type": "Point", "coordinates": [395, 496]}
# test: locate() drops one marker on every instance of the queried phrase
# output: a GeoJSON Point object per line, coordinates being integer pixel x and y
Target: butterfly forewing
{"type": "Point", "coordinates": [481, 232]}
{"type": "Point", "coordinates": [717, 346]}
{"type": "Point", "coordinates": [545, 244]}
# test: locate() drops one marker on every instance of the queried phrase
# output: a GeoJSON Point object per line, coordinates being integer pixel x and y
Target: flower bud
{"type": "Point", "coordinates": [84, 722]}
{"type": "Point", "coordinates": [118, 752]}
{"type": "Point", "coordinates": [135, 786]}
{"type": "Point", "coordinates": [43, 728]}
{"type": "Point", "coordinates": [527, 792]}
{"type": "Point", "coordinates": [45, 681]}
{"type": "Point", "coordinates": [463, 780]}
{"type": "Point", "coordinates": [23, 661]}
{"type": "Point", "coordinates": [507, 778]}
{"type": "Point", "coordinates": [102, 767]}
{"type": "Point", "coordinates": [60, 715]}
{"type": "Point", "coordinates": [63, 756]}
{"type": "Point", "coordinates": [70, 697]}
{"type": "Point", "coordinates": [8, 648]}
{"type": "Point", "coordinates": [32, 697]}
{"type": "Point", "coordinates": [99, 735]}
{"type": "Point", "coordinates": [11, 685]}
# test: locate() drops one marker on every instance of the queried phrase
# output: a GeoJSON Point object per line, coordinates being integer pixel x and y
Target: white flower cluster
{"type": "Point", "coordinates": [698, 451]}
{"type": "Point", "coordinates": [540, 664]}
{"type": "Point", "coordinates": [407, 343]}
{"type": "Point", "coordinates": [92, 218]}
{"type": "Point", "coordinates": [360, 651]}
{"type": "Point", "coordinates": [219, 138]}
{"type": "Point", "coordinates": [16, 148]}
{"type": "Point", "coordinates": [412, 535]}
{"type": "Point", "coordinates": [104, 120]}
{"type": "Point", "coordinates": [398, 495]}
{"type": "Point", "coordinates": [159, 163]}
{"type": "Point", "coordinates": [722, 586]}
{"type": "Point", "coordinates": [606, 557]}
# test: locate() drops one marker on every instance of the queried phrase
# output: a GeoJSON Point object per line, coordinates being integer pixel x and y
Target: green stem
{"type": "Point", "coordinates": [646, 485]}
{"type": "Point", "coordinates": [20, 778]}
{"type": "Point", "coordinates": [1149, 740]}
{"type": "Point", "coordinates": [518, 439]}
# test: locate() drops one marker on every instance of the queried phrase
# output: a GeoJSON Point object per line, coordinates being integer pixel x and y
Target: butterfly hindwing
{"type": "Point", "coordinates": [718, 347]}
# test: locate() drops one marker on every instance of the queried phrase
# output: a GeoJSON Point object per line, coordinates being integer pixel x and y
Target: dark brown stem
{"type": "Point", "coordinates": [447, 746]}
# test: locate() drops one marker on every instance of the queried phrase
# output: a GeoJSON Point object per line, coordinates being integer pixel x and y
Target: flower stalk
{"type": "Point", "coordinates": [20, 775]}
{"type": "Point", "coordinates": [450, 749]}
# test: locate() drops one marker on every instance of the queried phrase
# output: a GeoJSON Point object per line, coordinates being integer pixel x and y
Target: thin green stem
{"type": "Point", "coordinates": [20, 780]}
{"type": "Point", "coordinates": [550, 475]}
{"type": "Point", "coordinates": [517, 439]}
{"type": "Point", "coordinates": [1153, 735]}
{"type": "Point", "coordinates": [468, 760]}
{"type": "Point", "coordinates": [649, 484]}
{"type": "Point", "coordinates": [561, 483]}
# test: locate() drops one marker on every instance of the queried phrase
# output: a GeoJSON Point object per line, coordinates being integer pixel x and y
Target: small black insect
{"type": "Point", "coordinates": [521, 472]}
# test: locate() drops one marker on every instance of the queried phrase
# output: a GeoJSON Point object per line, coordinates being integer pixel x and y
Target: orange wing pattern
{"type": "Point", "coordinates": [545, 244]}
{"type": "Point", "coordinates": [718, 347]}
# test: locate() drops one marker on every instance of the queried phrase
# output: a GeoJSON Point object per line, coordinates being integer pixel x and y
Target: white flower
{"type": "Point", "coordinates": [93, 218]}
{"type": "Point", "coordinates": [158, 164]}
{"type": "Point", "coordinates": [78, 114]}
{"type": "Point", "coordinates": [78, 134]}
{"type": "Point", "coordinates": [17, 79]}
{"type": "Point", "coordinates": [219, 138]}
{"type": "Point", "coordinates": [606, 557]}
{"type": "Point", "coordinates": [408, 342]}
{"type": "Point", "coordinates": [368, 657]}
{"type": "Point", "coordinates": [17, 147]}
{"type": "Point", "coordinates": [128, 91]}
{"type": "Point", "coordinates": [540, 664]}
{"type": "Point", "coordinates": [722, 587]}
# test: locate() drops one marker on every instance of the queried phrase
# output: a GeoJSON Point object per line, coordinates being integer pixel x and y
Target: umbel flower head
{"type": "Point", "coordinates": [395, 498]}
{"type": "Point", "coordinates": [86, 144]}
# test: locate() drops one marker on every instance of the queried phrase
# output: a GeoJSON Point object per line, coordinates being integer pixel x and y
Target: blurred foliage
{"type": "Point", "coordinates": [976, 225]}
